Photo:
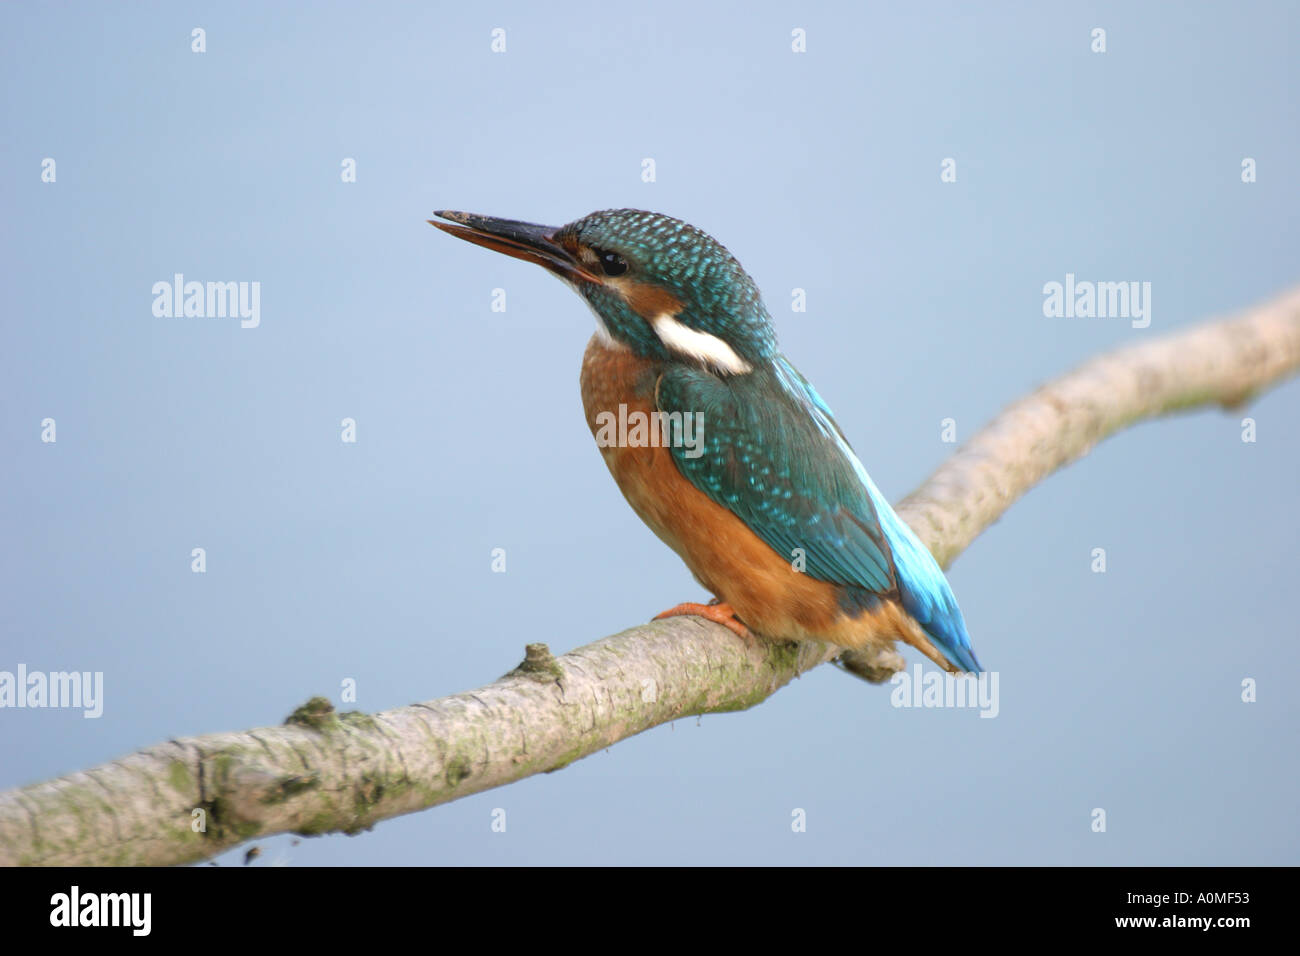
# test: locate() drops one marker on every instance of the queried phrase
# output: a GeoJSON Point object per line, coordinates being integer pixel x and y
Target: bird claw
{"type": "Point", "coordinates": [720, 612]}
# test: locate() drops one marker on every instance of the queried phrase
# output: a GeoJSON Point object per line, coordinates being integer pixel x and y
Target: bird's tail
{"type": "Point", "coordinates": [945, 627]}
{"type": "Point", "coordinates": [926, 594]}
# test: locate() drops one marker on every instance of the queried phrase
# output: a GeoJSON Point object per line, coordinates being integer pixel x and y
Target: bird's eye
{"type": "Point", "coordinates": [612, 263]}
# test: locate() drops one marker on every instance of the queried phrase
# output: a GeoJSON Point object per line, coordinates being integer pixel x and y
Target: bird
{"type": "Point", "coordinates": [724, 449]}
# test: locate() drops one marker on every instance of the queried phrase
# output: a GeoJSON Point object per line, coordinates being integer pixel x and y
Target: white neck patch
{"type": "Point", "coordinates": [699, 345]}
{"type": "Point", "coordinates": [602, 330]}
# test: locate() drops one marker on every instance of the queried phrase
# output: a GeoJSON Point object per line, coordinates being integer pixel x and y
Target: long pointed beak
{"type": "Point", "coordinates": [523, 240]}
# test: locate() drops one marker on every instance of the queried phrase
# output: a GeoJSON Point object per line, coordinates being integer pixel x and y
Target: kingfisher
{"type": "Point", "coordinates": [749, 479]}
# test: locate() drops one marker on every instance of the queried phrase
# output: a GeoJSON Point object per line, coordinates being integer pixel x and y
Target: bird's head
{"type": "Point", "coordinates": [658, 285]}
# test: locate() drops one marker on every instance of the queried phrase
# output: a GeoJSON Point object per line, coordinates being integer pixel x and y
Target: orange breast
{"type": "Point", "coordinates": [721, 551]}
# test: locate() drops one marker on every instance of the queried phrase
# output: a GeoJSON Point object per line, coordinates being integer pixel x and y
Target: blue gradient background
{"type": "Point", "coordinates": [370, 561]}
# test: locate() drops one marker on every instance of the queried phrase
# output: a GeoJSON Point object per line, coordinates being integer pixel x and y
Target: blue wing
{"type": "Point", "coordinates": [772, 454]}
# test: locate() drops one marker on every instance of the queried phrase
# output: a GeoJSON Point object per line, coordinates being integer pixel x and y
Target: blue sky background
{"type": "Point", "coordinates": [820, 170]}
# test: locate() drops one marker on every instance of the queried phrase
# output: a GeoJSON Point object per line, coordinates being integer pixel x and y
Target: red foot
{"type": "Point", "coordinates": [719, 612]}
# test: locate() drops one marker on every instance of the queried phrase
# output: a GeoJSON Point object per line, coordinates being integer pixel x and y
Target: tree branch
{"type": "Point", "coordinates": [322, 772]}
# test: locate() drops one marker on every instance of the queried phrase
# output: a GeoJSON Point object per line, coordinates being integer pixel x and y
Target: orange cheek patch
{"type": "Point", "coordinates": [646, 300]}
